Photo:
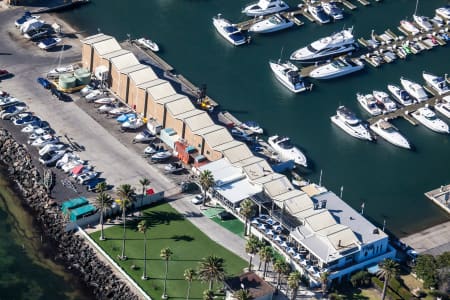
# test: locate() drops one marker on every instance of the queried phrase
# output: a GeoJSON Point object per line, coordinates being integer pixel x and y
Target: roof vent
{"type": "Point", "coordinates": [323, 204]}
{"type": "Point", "coordinates": [339, 243]}
{"type": "Point", "coordinates": [376, 231]}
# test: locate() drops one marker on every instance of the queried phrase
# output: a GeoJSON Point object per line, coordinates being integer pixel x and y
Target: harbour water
{"type": "Point", "coordinates": [390, 181]}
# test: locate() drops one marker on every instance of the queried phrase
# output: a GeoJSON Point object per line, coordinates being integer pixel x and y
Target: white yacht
{"type": "Point", "coordinates": [229, 31]}
{"type": "Point", "coordinates": [437, 83]}
{"type": "Point", "coordinates": [333, 10]}
{"type": "Point", "coordinates": [444, 106]}
{"type": "Point", "coordinates": [148, 44]}
{"type": "Point", "coordinates": [264, 7]}
{"type": "Point", "coordinates": [414, 89]}
{"type": "Point", "coordinates": [390, 133]}
{"type": "Point", "coordinates": [287, 73]}
{"type": "Point", "coordinates": [385, 101]}
{"type": "Point", "coordinates": [347, 121]}
{"type": "Point", "coordinates": [287, 151]}
{"type": "Point", "coordinates": [423, 22]}
{"type": "Point", "coordinates": [339, 67]}
{"type": "Point", "coordinates": [429, 119]}
{"type": "Point", "coordinates": [400, 94]}
{"type": "Point", "coordinates": [252, 126]}
{"type": "Point", "coordinates": [318, 14]}
{"type": "Point", "coordinates": [335, 44]}
{"type": "Point", "coordinates": [272, 24]}
{"type": "Point", "coordinates": [369, 103]}
{"type": "Point", "coordinates": [409, 27]}
{"type": "Point", "coordinates": [443, 12]}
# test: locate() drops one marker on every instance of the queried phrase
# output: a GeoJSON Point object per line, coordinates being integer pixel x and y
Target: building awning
{"type": "Point", "coordinates": [237, 191]}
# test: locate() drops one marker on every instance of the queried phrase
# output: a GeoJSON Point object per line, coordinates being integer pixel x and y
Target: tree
{"type": "Point", "coordinates": [266, 256]}
{"type": "Point", "coordinates": [361, 278]}
{"type": "Point", "coordinates": [104, 201]}
{"type": "Point", "coordinates": [388, 269]}
{"type": "Point", "coordinates": [142, 227]}
{"type": "Point", "coordinates": [293, 283]}
{"type": "Point", "coordinates": [248, 211]}
{"type": "Point", "coordinates": [324, 281]}
{"type": "Point", "coordinates": [242, 294]}
{"type": "Point", "coordinates": [426, 268]}
{"type": "Point", "coordinates": [206, 181]}
{"type": "Point", "coordinates": [281, 268]}
{"type": "Point", "coordinates": [208, 295]}
{"type": "Point", "coordinates": [189, 275]}
{"type": "Point", "coordinates": [125, 193]}
{"type": "Point", "coordinates": [211, 269]}
{"type": "Point", "coordinates": [101, 187]}
{"type": "Point", "coordinates": [145, 182]}
{"type": "Point", "coordinates": [251, 247]}
{"type": "Point", "coordinates": [165, 254]}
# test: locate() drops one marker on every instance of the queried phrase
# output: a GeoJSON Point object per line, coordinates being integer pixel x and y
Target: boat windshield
{"type": "Point", "coordinates": [338, 64]}
{"type": "Point", "coordinates": [430, 117]}
{"type": "Point", "coordinates": [293, 76]}
{"type": "Point", "coordinates": [404, 95]}
{"type": "Point", "coordinates": [286, 144]}
{"type": "Point", "coordinates": [275, 20]}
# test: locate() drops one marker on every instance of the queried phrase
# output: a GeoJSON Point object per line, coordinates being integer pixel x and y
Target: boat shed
{"type": "Point", "coordinates": [213, 136]}
{"type": "Point", "coordinates": [173, 110]}
{"type": "Point", "coordinates": [123, 83]}
{"type": "Point", "coordinates": [158, 96]}
{"type": "Point", "coordinates": [141, 96]}
{"type": "Point", "coordinates": [87, 51]}
{"type": "Point", "coordinates": [119, 62]}
{"type": "Point", "coordinates": [99, 48]}
{"type": "Point", "coordinates": [106, 59]}
{"type": "Point", "coordinates": [186, 115]}
{"type": "Point", "coordinates": [137, 78]}
{"type": "Point", "coordinates": [194, 123]}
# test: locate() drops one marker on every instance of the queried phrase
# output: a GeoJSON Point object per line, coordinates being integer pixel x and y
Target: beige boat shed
{"type": "Point", "coordinates": [138, 78]}
{"type": "Point", "coordinates": [116, 64]}
{"type": "Point", "coordinates": [95, 47]}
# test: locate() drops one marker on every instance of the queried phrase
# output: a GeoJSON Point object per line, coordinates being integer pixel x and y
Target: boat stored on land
{"type": "Point", "coordinates": [286, 150]}
{"type": "Point", "coordinates": [264, 7]}
{"type": "Point", "coordinates": [287, 73]}
{"type": "Point", "coordinates": [272, 24]}
{"type": "Point", "coordinates": [230, 32]}
{"type": "Point", "coordinates": [49, 43]}
{"type": "Point", "coordinates": [347, 121]}
{"type": "Point", "coordinates": [339, 67]}
{"type": "Point", "coordinates": [414, 89]}
{"type": "Point", "coordinates": [436, 82]}
{"type": "Point", "coordinates": [390, 133]}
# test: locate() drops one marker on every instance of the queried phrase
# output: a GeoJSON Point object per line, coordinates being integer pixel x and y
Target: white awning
{"type": "Point", "coordinates": [237, 191]}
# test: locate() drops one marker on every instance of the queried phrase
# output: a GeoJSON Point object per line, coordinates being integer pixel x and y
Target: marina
{"type": "Point", "coordinates": [441, 197]}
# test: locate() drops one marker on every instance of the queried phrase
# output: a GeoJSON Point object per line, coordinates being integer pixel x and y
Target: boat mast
{"type": "Point", "coordinates": [417, 5]}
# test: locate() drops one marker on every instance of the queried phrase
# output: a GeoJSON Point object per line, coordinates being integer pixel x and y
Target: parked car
{"type": "Point", "coordinates": [198, 199]}
{"type": "Point", "coordinates": [44, 82]}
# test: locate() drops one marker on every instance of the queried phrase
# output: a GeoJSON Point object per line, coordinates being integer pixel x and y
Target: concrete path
{"type": "Point", "coordinates": [434, 240]}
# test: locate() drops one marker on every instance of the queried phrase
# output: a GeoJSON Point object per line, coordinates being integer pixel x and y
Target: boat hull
{"type": "Point", "coordinates": [397, 140]}
{"type": "Point", "coordinates": [338, 122]}
{"type": "Point", "coordinates": [317, 74]}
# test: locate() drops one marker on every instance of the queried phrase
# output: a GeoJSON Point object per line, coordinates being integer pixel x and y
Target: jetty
{"type": "Point", "coordinates": [441, 197]}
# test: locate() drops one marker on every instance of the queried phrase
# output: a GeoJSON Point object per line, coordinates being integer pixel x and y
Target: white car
{"type": "Point", "coordinates": [198, 199]}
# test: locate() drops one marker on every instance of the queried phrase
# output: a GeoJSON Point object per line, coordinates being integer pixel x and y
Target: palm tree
{"type": "Point", "coordinates": [165, 254]}
{"type": "Point", "coordinates": [125, 193]}
{"type": "Point", "coordinates": [104, 201]}
{"type": "Point", "coordinates": [266, 256]}
{"type": "Point", "coordinates": [206, 181]}
{"type": "Point", "coordinates": [388, 268]}
{"type": "Point", "coordinates": [248, 211]}
{"type": "Point", "coordinates": [142, 227]}
{"type": "Point", "coordinates": [144, 182]}
{"type": "Point", "coordinates": [189, 275]}
{"type": "Point", "coordinates": [242, 295]}
{"type": "Point", "coordinates": [252, 247]}
{"type": "Point", "coordinates": [293, 283]}
{"type": "Point", "coordinates": [208, 295]}
{"type": "Point", "coordinates": [211, 269]}
{"type": "Point", "coordinates": [101, 187]}
{"type": "Point", "coordinates": [280, 267]}
{"type": "Point", "coordinates": [324, 282]}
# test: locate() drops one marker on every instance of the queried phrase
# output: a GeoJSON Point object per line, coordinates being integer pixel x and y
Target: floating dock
{"type": "Point", "coordinates": [441, 197]}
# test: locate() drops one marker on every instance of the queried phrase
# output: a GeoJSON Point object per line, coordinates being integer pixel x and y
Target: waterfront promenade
{"type": "Point", "coordinates": [434, 240]}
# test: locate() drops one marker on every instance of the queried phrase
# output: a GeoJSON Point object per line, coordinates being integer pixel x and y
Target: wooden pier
{"type": "Point", "coordinates": [158, 60]}
{"type": "Point", "coordinates": [364, 2]}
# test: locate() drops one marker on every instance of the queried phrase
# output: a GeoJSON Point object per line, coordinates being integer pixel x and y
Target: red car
{"type": "Point", "coordinates": [3, 73]}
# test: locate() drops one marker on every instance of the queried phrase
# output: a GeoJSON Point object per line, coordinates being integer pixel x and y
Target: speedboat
{"type": "Point", "coordinates": [67, 157]}
{"type": "Point", "coordinates": [24, 18]}
{"type": "Point", "coordinates": [105, 100]}
{"type": "Point", "coordinates": [333, 10]}
{"type": "Point", "coordinates": [38, 132]}
{"type": "Point", "coordinates": [240, 134]}
{"type": "Point", "coordinates": [287, 73]}
{"type": "Point", "coordinates": [11, 111]}
{"type": "Point", "coordinates": [161, 156]}
{"type": "Point", "coordinates": [93, 95]}
{"type": "Point", "coordinates": [444, 106]}
{"type": "Point", "coordinates": [347, 121]}
{"type": "Point", "coordinates": [119, 111]}
{"type": "Point", "coordinates": [125, 117]}
{"type": "Point", "coordinates": [423, 22]}
{"type": "Point", "coordinates": [438, 21]}
{"type": "Point", "coordinates": [30, 128]}
{"type": "Point", "coordinates": [45, 140]}
{"type": "Point", "coordinates": [152, 149]}
{"type": "Point", "coordinates": [409, 27]}
{"type": "Point", "coordinates": [8, 101]}
{"type": "Point", "coordinates": [27, 119]}
{"type": "Point", "coordinates": [143, 137]}
{"type": "Point", "coordinates": [414, 89]}
{"type": "Point", "coordinates": [85, 177]}
{"type": "Point", "coordinates": [230, 32]}
{"type": "Point", "coordinates": [390, 133]}
{"type": "Point", "coordinates": [272, 24]}
{"type": "Point", "coordinates": [286, 150]}
{"type": "Point", "coordinates": [87, 90]}
{"type": "Point", "coordinates": [369, 103]}
{"type": "Point", "coordinates": [436, 82]}
{"type": "Point", "coordinates": [149, 44]}
{"type": "Point", "coordinates": [385, 101]}
{"type": "Point", "coordinates": [400, 94]}
{"type": "Point", "coordinates": [429, 119]}
{"type": "Point", "coordinates": [51, 147]}
{"type": "Point", "coordinates": [335, 44]}
{"type": "Point", "coordinates": [106, 108]}
{"type": "Point", "coordinates": [132, 124]}
{"type": "Point", "coordinates": [173, 167]}
{"type": "Point", "coordinates": [252, 126]}
{"type": "Point", "coordinates": [318, 13]}
{"type": "Point", "coordinates": [443, 12]}
{"type": "Point", "coordinates": [62, 70]}
{"type": "Point", "coordinates": [339, 67]}
{"type": "Point", "coordinates": [49, 43]}
{"type": "Point", "coordinates": [264, 7]}
{"type": "Point", "coordinates": [51, 157]}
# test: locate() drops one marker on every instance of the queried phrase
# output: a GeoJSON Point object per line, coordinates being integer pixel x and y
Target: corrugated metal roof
{"type": "Point", "coordinates": [199, 121]}
{"type": "Point", "coordinates": [237, 153]}
{"type": "Point", "coordinates": [217, 137]}
{"type": "Point", "coordinates": [258, 169]}
{"type": "Point", "coordinates": [268, 178]}
{"type": "Point", "coordinates": [162, 90]}
{"type": "Point", "coordinates": [124, 61]}
{"type": "Point", "coordinates": [106, 46]}
{"type": "Point", "coordinates": [180, 106]}
{"type": "Point", "coordinates": [132, 69]}
{"type": "Point", "coordinates": [278, 186]}
{"type": "Point", "coordinates": [143, 75]}
{"type": "Point", "coordinates": [119, 52]}
{"type": "Point", "coordinates": [95, 38]}
{"type": "Point", "coordinates": [190, 114]}
{"type": "Point", "coordinates": [321, 220]}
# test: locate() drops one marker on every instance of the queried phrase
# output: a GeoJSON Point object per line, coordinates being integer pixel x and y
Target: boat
{"type": "Point", "coordinates": [272, 24]}
{"type": "Point", "coordinates": [335, 44]}
{"type": "Point", "coordinates": [85, 177]}
{"type": "Point", "coordinates": [51, 147]}
{"type": "Point", "coordinates": [436, 82]}
{"type": "Point", "coordinates": [106, 108]}
{"type": "Point", "coordinates": [318, 13]}
{"type": "Point", "coordinates": [143, 137]}
{"type": "Point", "coordinates": [125, 117]}
{"type": "Point", "coordinates": [252, 126]}
{"type": "Point", "coordinates": [132, 124]}
{"type": "Point", "coordinates": [87, 90]}
{"type": "Point", "coordinates": [423, 22]}
{"type": "Point", "coordinates": [51, 157]}
{"type": "Point", "coordinates": [106, 100]}
{"type": "Point", "coordinates": [8, 101]}
{"type": "Point", "coordinates": [119, 111]}
{"type": "Point", "coordinates": [264, 7]}
{"type": "Point", "coordinates": [148, 44]}
{"type": "Point", "coordinates": [409, 27]}
{"type": "Point", "coordinates": [240, 134]}
{"type": "Point", "coordinates": [347, 121]}
{"type": "Point", "coordinates": [173, 167]}
{"type": "Point", "coordinates": [384, 101]}
{"type": "Point", "coordinates": [414, 89]}
{"type": "Point", "coordinates": [286, 150]}
{"type": "Point", "coordinates": [34, 34]}
{"type": "Point", "coordinates": [152, 149]}
{"type": "Point", "coordinates": [438, 21]}
{"type": "Point", "coordinates": [443, 12]}
{"type": "Point", "coordinates": [444, 106]}
{"type": "Point", "coordinates": [93, 95]}
{"type": "Point", "coordinates": [339, 67]}
{"type": "Point", "coordinates": [45, 140]}
{"type": "Point", "coordinates": [400, 94]}
{"type": "Point", "coordinates": [287, 73]}
{"type": "Point", "coordinates": [11, 111]}
{"type": "Point", "coordinates": [24, 120]}
{"type": "Point", "coordinates": [231, 33]}
{"type": "Point", "coordinates": [390, 133]}
{"type": "Point", "coordinates": [38, 132]}
{"type": "Point", "coordinates": [161, 156]}
{"type": "Point", "coordinates": [31, 24]}
{"type": "Point", "coordinates": [369, 103]}
{"type": "Point", "coordinates": [333, 10]}
{"type": "Point", "coordinates": [49, 43]}
{"type": "Point", "coordinates": [429, 119]}
{"type": "Point", "coordinates": [25, 17]}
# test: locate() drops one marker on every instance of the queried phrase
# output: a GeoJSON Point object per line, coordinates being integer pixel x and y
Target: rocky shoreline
{"type": "Point", "coordinates": [72, 251]}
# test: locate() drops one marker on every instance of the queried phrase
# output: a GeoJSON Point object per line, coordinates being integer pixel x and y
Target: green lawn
{"type": "Point", "coordinates": [167, 229]}
{"type": "Point", "coordinates": [235, 226]}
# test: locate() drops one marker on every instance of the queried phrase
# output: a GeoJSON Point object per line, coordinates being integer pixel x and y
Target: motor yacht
{"type": "Point", "coordinates": [143, 137]}
{"type": "Point", "coordinates": [369, 103]}
{"type": "Point", "coordinates": [104, 100]}
{"type": "Point", "coordinates": [272, 24]}
{"type": "Point", "coordinates": [339, 67]}
{"type": "Point", "coordinates": [347, 121]}
{"type": "Point", "coordinates": [444, 106]}
{"type": "Point", "coordinates": [318, 14]}
{"type": "Point", "coordinates": [49, 43]}
{"type": "Point", "coordinates": [287, 73]}
{"type": "Point", "coordinates": [400, 94]}
{"type": "Point", "coordinates": [414, 89]}
{"type": "Point", "coordinates": [286, 150]}
{"type": "Point", "coordinates": [132, 124]}
{"type": "Point", "coordinates": [51, 157]}
{"type": "Point", "coordinates": [231, 33]}
{"type": "Point", "coordinates": [443, 12]}
{"type": "Point", "coordinates": [437, 21]}
{"type": "Point", "coordinates": [333, 10]}
{"type": "Point", "coordinates": [423, 22]}
{"type": "Point", "coordinates": [384, 101]}
{"type": "Point", "coordinates": [429, 119]}
{"type": "Point", "coordinates": [436, 82]}
{"type": "Point", "coordinates": [390, 133]}
{"type": "Point", "coordinates": [147, 43]}
{"type": "Point", "coordinates": [264, 7]}
{"type": "Point", "coordinates": [240, 134]}
{"type": "Point", "coordinates": [252, 126]}
{"type": "Point", "coordinates": [409, 27]}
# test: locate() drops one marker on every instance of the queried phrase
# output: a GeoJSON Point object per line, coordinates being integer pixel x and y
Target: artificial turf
{"type": "Point", "coordinates": [167, 228]}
